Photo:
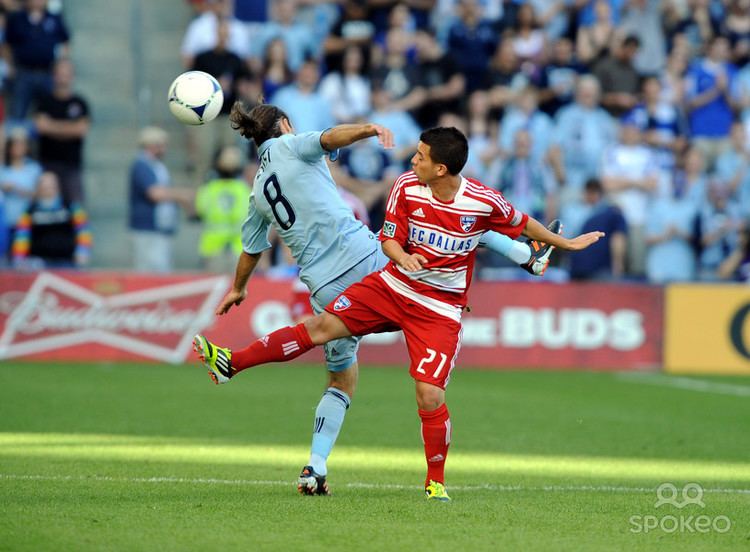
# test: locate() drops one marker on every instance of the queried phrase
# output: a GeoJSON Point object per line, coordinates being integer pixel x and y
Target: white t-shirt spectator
{"type": "Point", "coordinates": [349, 95]}
{"type": "Point", "coordinates": [634, 162]}
{"type": "Point", "coordinates": [201, 35]}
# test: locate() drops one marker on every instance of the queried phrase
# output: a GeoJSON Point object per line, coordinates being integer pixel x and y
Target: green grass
{"type": "Point", "coordinates": [143, 457]}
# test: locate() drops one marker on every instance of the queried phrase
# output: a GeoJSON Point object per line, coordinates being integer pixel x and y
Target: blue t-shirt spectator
{"type": "Point", "coordinates": [473, 47]}
{"type": "Point", "coordinates": [146, 214]}
{"type": "Point", "coordinates": [713, 119]}
{"type": "Point", "coordinates": [34, 42]}
{"type": "Point", "coordinates": [308, 111]}
{"type": "Point", "coordinates": [595, 262]}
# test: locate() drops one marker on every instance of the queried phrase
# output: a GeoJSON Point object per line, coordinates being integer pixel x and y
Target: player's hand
{"type": "Point", "coordinates": [231, 299]}
{"type": "Point", "coordinates": [385, 136]}
{"type": "Point", "coordinates": [584, 240]}
{"type": "Point", "coordinates": [412, 263]}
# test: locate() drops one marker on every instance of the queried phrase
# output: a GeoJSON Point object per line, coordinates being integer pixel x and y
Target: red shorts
{"type": "Point", "coordinates": [433, 340]}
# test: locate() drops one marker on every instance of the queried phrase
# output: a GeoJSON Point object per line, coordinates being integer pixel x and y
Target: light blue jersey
{"type": "Point", "coordinates": [295, 193]}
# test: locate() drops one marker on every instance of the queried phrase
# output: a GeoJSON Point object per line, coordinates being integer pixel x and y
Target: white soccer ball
{"type": "Point", "coordinates": [195, 98]}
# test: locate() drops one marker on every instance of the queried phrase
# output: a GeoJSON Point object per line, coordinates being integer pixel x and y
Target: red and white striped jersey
{"type": "Point", "coordinates": [446, 234]}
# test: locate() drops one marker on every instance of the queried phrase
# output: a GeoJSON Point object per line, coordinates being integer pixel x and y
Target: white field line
{"type": "Point", "coordinates": [353, 485]}
{"type": "Point", "coordinates": [686, 383]}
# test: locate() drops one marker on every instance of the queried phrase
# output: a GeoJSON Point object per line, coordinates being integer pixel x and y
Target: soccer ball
{"type": "Point", "coordinates": [195, 98]}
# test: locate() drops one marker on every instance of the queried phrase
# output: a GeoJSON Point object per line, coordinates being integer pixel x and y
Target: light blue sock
{"type": "Point", "coordinates": [517, 252]}
{"type": "Point", "coordinates": [329, 417]}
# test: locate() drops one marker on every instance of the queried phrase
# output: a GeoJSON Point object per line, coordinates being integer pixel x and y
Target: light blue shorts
{"type": "Point", "coordinates": [342, 353]}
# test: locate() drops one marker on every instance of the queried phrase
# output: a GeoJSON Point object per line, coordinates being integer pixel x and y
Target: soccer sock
{"type": "Point", "coordinates": [516, 251]}
{"type": "Point", "coordinates": [329, 417]}
{"type": "Point", "coordinates": [282, 345]}
{"type": "Point", "coordinates": [436, 436]}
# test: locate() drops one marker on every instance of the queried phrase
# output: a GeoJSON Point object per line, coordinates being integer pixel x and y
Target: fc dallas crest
{"type": "Point", "coordinates": [467, 222]}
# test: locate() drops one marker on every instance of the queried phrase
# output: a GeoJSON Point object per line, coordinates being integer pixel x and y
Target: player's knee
{"type": "Point", "coordinates": [345, 380]}
{"type": "Point", "coordinates": [429, 397]}
{"type": "Point", "coordinates": [321, 328]}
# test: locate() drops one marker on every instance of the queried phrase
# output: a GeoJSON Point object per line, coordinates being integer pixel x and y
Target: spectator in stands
{"type": "Point", "coordinates": [525, 114]}
{"type": "Point", "coordinates": [441, 78]}
{"type": "Point", "coordinates": [154, 204]}
{"type": "Point", "coordinates": [405, 129]}
{"type": "Point", "coordinates": [594, 38]}
{"type": "Point", "coordinates": [605, 260]}
{"type": "Point", "coordinates": [276, 71]}
{"type": "Point", "coordinates": [630, 176]}
{"type": "Point", "coordinates": [484, 155]}
{"type": "Point", "coordinates": [53, 232]}
{"type": "Point", "coordinates": [733, 167]}
{"type": "Point", "coordinates": [672, 79]}
{"type": "Point", "coordinates": [719, 223]}
{"type": "Point", "coordinates": [36, 38]}
{"type": "Point", "coordinates": [741, 95]}
{"type": "Point", "coordinates": [352, 29]}
{"type": "Point", "coordinates": [397, 75]}
{"type": "Point", "coordinates": [528, 39]}
{"type": "Point", "coordinates": [348, 91]}
{"type": "Point", "coordinates": [583, 131]}
{"type": "Point", "coordinates": [708, 86]}
{"type": "Point", "coordinates": [221, 205]}
{"type": "Point", "coordinates": [307, 108]}
{"type": "Point", "coordinates": [298, 39]}
{"type": "Point", "coordinates": [557, 79]}
{"type": "Point", "coordinates": [642, 19]}
{"type": "Point", "coordinates": [62, 122]}
{"type": "Point", "coordinates": [736, 27]}
{"type": "Point", "coordinates": [227, 68]}
{"type": "Point", "coordinates": [660, 123]}
{"type": "Point", "coordinates": [203, 32]}
{"type": "Point", "coordinates": [618, 78]}
{"type": "Point", "coordinates": [504, 78]}
{"type": "Point", "coordinates": [472, 40]}
{"type": "Point", "coordinates": [737, 265]}
{"type": "Point", "coordinates": [526, 181]}
{"type": "Point", "coordinates": [18, 180]}
{"type": "Point", "coordinates": [690, 177]}
{"type": "Point", "coordinates": [692, 21]}
{"type": "Point", "coordinates": [552, 16]}
{"type": "Point", "coordinates": [670, 224]}
{"type": "Point", "coordinates": [419, 10]}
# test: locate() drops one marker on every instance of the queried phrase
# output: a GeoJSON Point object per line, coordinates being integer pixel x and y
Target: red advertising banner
{"type": "Point", "coordinates": [114, 316]}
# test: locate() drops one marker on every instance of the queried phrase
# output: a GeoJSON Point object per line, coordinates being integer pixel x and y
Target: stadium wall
{"type": "Point", "coordinates": [108, 316]}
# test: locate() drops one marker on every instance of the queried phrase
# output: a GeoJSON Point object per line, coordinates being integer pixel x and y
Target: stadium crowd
{"type": "Point", "coordinates": [629, 116]}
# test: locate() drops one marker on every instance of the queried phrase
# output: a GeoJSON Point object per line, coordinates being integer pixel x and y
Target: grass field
{"type": "Point", "coordinates": [139, 457]}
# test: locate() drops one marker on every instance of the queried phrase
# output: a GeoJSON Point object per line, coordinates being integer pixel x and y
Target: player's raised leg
{"type": "Point", "coordinates": [280, 346]}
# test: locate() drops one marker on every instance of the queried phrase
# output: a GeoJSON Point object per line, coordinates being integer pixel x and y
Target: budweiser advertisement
{"type": "Point", "coordinates": [118, 317]}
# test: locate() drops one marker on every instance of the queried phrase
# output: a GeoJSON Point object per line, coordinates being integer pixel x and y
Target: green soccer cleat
{"type": "Point", "coordinates": [436, 491]}
{"type": "Point", "coordinates": [540, 252]}
{"type": "Point", "coordinates": [217, 359]}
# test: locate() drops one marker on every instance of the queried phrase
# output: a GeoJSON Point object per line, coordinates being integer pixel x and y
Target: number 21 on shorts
{"type": "Point", "coordinates": [431, 355]}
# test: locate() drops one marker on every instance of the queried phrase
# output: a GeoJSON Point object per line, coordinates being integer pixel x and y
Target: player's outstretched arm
{"type": "Point", "coordinates": [536, 231]}
{"type": "Point", "coordinates": [245, 266]}
{"type": "Point", "coordinates": [345, 135]}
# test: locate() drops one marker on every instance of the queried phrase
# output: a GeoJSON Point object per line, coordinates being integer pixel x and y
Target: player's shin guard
{"type": "Point", "coordinates": [279, 346]}
{"type": "Point", "coordinates": [436, 435]}
{"type": "Point", "coordinates": [329, 417]}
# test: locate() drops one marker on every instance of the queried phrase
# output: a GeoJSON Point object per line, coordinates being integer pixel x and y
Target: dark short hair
{"type": "Point", "coordinates": [632, 40]}
{"type": "Point", "coordinates": [593, 185]}
{"type": "Point", "coordinates": [259, 123]}
{"type": "Point", "coordinates": [448, 146]}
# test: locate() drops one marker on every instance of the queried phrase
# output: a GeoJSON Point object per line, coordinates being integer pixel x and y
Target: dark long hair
{"type": "Point", "coordinates": [259, 123]}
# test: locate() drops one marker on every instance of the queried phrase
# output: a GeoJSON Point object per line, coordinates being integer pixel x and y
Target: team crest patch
{"type": "Point", "coordinates": [467, 222]}
{"type": "Point", "coordinates": [342, 303]}
{"type": "Point", "coordinates": [389, 229]}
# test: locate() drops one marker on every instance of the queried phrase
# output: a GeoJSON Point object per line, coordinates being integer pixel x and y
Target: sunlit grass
{"type": "Point", "coordinates": [87, 447]}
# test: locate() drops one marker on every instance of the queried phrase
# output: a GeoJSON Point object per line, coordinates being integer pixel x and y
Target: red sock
{"type": "Point", "coordinates": [436, 435]}
{"type": "Point", "coordinates": [282, 345]}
